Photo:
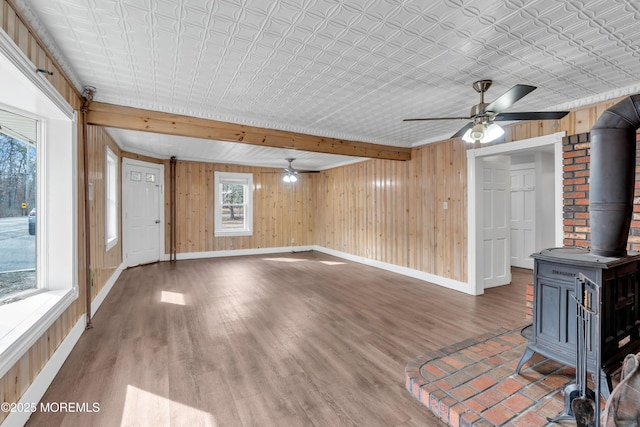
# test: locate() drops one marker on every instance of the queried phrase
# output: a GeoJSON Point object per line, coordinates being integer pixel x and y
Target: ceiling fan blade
{"type": "Point", "coordinates": [436, 118]}
{"type": "Point", "coordinates": [541, 115]}
{"type": "Point", "coordinates": [509, 98]}
{"type": "Point", "coordinates": [463, 130]}
{"type": "Point", "coordinates": [307, 171]}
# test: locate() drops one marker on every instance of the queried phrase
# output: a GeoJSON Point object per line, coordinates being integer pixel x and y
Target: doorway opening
{"type": "Point", "coordinates": [505, 221]}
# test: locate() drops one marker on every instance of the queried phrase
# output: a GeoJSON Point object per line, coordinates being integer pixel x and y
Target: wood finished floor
{"type": "Point", "coordinates": [300, 339]}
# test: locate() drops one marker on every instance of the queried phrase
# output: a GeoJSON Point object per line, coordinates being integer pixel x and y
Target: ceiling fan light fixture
{"type": "Point", "coordinates": [492, 133]}
{"type": "Point", "coordinates": [477, 131]}
{"type": "Point", "coordinates": [290, 177]}
{"type": "Point", "coordinates": [467, 137]}
{"type": "Point", "coordinates": [483, 133]}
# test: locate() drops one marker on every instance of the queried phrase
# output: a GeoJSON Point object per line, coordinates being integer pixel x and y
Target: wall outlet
{"type": "Point", "coordinates": [445, 205]}
{"type": "Point", "coordinates": [293, 240]}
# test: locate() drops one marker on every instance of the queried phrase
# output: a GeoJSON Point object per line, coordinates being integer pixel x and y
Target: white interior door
{"type": "Point", "coordinates": [143, 217]}
{"type": "Point", "coordinates": [496, 224]}
{"type": "Point", "coordinates": [523, 210]}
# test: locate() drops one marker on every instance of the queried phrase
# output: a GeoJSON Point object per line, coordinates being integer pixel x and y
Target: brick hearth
{"type": "Point", "coordinates": [473, 383]}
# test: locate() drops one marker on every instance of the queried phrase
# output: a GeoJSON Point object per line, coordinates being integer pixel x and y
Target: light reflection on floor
{"type": "Point", "coordinates": [173, 298]}
{"type": "Point", "coordinates": [161, 409]}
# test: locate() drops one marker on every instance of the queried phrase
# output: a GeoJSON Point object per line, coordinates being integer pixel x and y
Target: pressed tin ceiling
{"type": "Point", "coordinates": [345, 69]}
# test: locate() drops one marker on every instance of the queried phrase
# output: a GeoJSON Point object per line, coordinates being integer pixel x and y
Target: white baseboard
{"type": "Point", "coordinates": [416, 274]}
{"type": "Point", "coordinates": [405, 271]}
{"type": "Point", "coordinates": [99, 299]}
{"type": "Point", "coordinates": [239, 252]}
{"type": "Point", "coordinates": [43, 380]}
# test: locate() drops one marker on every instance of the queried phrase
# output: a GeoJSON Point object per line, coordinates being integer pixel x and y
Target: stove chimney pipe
{"type": "Point", "coordinates": [612, 177]}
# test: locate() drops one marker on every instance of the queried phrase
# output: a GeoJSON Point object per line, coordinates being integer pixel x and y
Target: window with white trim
{"type": "Point", "coordinates": [233, 204]}
{"type": "Point", "coordinates": [25, 316]}
{"type": "Point", "coordinates": [111, 198]}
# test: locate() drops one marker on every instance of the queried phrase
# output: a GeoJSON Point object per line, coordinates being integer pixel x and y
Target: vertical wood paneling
{"type": "Point", "coordinates": [281, 211]}
{"type": "Point", "coordinates": [103, 264]}
{"type": "Point", "coordinates": [397, 208]}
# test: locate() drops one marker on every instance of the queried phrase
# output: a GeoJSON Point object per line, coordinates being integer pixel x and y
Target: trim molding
{"type": "Point", "coordinates": [44, 379]}
{"type": "Point", "coordinates": [405, 271]}
{"type": "Point", "coordinates": [47, 40]}
{"type": "Point", "coordinates": [99, 299]}
{"type": "Point", "coordinates": [239, 252]}
{"type": "Point", "coordinates": [475, 257]}
{"type": "Point", "coordinates": [26, 67]}
{"type": "Point", "coordinates": [50, 306]}
{"type": "Point", "coordinates": [126, 163]}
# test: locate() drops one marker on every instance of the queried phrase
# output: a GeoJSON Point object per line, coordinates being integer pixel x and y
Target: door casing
{"type": "Point", "coordinates": [475, 258]}
{"type": "Point", "coordinates": [126, 242]}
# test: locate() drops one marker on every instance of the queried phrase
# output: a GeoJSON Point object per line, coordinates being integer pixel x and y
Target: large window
{"type": "Point", "coordinates": [18, 169]}
{"type": "Point", "coordinates": [233, 204]}
{"type": "Point", "coordinates": [44, 173]}
{"type": "Point", "coordinates": [111, 198]}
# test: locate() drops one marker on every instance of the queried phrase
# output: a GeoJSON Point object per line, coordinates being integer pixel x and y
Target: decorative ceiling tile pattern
{"type": "Point", "coordinates": [346, 69]}
{"type": "Point", "coordinates": [194, 149]}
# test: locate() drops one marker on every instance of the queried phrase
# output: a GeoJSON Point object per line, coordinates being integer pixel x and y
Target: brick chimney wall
{"type": "Point", "coordinates": [575, 223]}
{"type": "Point", "coordinates": [575, 159]}
{"type": "Point", "coordinates": [576, 194]}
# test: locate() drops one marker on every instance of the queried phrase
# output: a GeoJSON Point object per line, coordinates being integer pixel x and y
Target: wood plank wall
{"type": "Point", "coordinates": [103, 264]}
{"type": "Point", "coordinates": [14, 383]}
{"type": "Point", "coordinates": [393, 211]}
{"type": "Point", "coordinates": [281, 211]}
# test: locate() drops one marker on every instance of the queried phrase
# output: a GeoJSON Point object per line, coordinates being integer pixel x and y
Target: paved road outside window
{"type": "Point", "coordinates": [17, 255]}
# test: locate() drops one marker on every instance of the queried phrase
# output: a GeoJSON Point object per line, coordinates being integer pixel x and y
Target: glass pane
{"type": "Point", "coordinates": [151, 177]}
{"type": "Point", "coordinates": [233, 216]}
{"type": "Point", "coordinates": [232, 194]}
{"type": "Point", "coordinates": [17, 204]}
{"type": "Point", "coordinates": [136, 176]}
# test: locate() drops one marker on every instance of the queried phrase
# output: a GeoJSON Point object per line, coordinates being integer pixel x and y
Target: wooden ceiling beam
{"type": "Point", "coordinates": [109, 115]}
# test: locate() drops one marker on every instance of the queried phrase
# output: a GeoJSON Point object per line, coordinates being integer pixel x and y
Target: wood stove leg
{"type": "Point", "coordinates": [528, 354]}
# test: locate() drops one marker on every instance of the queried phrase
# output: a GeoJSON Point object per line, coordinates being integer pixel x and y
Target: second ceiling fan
{"type": "Point", "coordinates": [481, 127]}
{"type": "Point", "coordinates": [291, 174]}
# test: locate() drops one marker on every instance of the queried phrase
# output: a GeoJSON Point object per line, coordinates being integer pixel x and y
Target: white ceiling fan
{"type": "Point", "coordinates": [291, 174]}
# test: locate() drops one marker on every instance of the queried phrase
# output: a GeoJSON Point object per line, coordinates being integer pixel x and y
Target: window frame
{"type": "Point", "coordinates": [28, 93]}
{"type": "Point", "coordinates": [110, 198]}
{"type": "Point", "coordinates": [245, 179]}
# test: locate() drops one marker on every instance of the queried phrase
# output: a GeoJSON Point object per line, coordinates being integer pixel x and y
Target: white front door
{"type": "Point", "coordinates": [496, 224]}
{"type": "Point", "coordinates": [142, 188]}
{"type": "Point", "coordinates": [523, 209]}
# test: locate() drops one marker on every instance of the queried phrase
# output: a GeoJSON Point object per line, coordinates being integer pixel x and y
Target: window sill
{"type": "Point", "coordinates": [23, 322]}
{"type": "Point", "coordinates": [233, 233]}
{"type": "Point", "coordinates": [110, 244]}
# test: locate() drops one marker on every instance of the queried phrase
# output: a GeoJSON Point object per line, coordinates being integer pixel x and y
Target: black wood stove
{"type": "Point", "coordinates": [614, 271]}
{"type": "Point", "coordinates": [554, 316]}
